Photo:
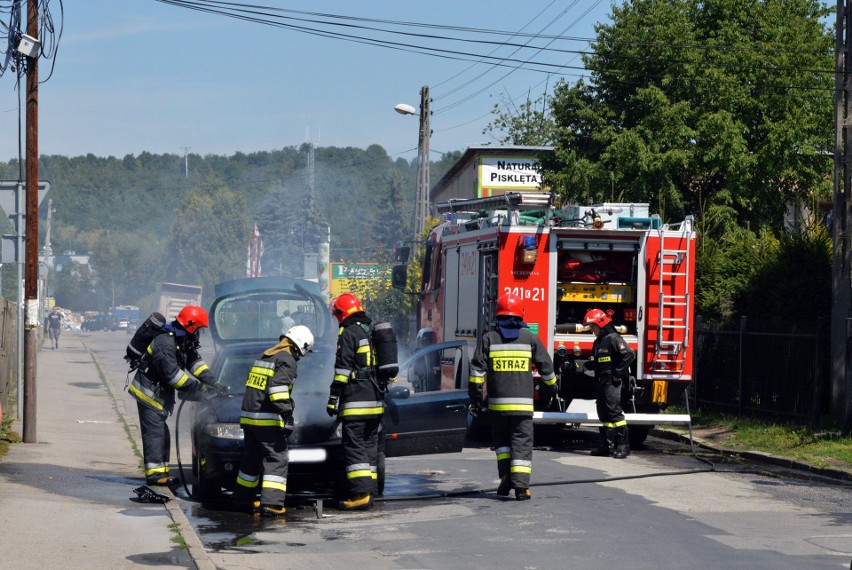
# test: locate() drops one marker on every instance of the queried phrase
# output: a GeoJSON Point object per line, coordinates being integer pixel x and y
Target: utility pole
{"type": "Point", "coordinates": [186, 161]}
{"type": "Point", "coordinates": [841, 387]}
{"type": "Point", "coordinates": [31, 245]}
{"type": "Point", "coordinates": [421, 210]}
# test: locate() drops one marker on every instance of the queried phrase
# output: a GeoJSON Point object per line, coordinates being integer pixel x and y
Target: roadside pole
{"type": "Point", "coordinates": [31, 243]}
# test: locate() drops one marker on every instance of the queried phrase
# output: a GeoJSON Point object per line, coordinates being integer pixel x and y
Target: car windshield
{"type": "Point", "coordinates": [265, 315]}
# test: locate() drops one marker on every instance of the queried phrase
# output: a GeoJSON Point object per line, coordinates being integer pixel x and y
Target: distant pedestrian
{"type": "Point", "coordinates": [54, 323]}
{"type": "Point", "coordinates": [503, 363]}
{"type": "Point", "coordinates": [267, 422]}
{"type": "Point", "coordinates": [611, 362]}
{"type": "Point", "coordinates": [287, 322]}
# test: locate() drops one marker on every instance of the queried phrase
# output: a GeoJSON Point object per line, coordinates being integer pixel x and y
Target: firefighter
{"type": "Point", "coordinates": [267, 422]}
{"type": "Point", "coordinates": [357, 400]}
{"type": "Point", "coordinates": [611, 360]}
{"type": "Point", "coordinates": [171, 362]}
{"type": "Point", "coordinates": [503, 360]}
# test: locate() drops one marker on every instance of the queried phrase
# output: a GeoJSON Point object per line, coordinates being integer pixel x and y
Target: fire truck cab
{"type": "Point", "coordinates": [563, 262]}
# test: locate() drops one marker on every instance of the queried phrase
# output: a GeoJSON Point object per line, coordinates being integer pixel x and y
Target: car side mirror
{"type": "Point", "coordinates": [399, 277]}
{"type": "Point", "coordinates": [399, 392]}
{"type": "Point", "coordinates": [400, 254]}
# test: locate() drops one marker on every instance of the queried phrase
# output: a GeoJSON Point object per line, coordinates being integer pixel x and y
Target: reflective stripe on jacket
{"type": "Point", "coordinates": [164, 370]}
{"type": "Point", "coordinates": [505, 366]}
{"type": "Point", "coordinates": [267, 398]}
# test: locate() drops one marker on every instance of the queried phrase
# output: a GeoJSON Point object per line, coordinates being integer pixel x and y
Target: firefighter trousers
{"type": "Point", "coordinates": [263, 466]}
{"type": "Point", "coordinates": [361, 454]}
{"type": "Point", "coordinates": [156, 443]}
{"type": "Point", "coordinates": [512, 438]}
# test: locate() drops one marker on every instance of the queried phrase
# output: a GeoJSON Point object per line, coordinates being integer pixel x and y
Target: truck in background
{"type": "Point", "coordinates": [123, 316]}
{"type": "Point", "coordinates": [175, 296]}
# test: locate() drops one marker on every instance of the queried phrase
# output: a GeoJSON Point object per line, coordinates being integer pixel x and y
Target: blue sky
{"type": "Point", "coordinates": [138, 75]}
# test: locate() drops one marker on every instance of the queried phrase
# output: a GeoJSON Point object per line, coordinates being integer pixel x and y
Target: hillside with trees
{"type": "Point", "coordinates": [149, 218]}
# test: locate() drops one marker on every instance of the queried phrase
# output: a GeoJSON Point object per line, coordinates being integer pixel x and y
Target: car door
{"type": "Point", "coordinates": [425, 410]}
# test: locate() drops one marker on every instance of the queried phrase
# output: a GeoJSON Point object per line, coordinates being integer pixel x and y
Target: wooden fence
{"type": "Point", "coordinates": [8, 357]}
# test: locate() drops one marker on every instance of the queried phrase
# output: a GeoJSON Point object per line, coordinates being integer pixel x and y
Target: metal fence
{"type": "Point", "coordinates": [8, 356]}
{"type": "Point", "coordinates": [764, 369]}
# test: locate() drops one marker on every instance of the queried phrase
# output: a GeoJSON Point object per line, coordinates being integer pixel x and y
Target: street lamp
{"type": "Point", "coordinates": [421, 209]}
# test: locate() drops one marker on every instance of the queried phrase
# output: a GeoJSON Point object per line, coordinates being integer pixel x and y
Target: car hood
{"type": "Point", "coordinates": [310, 394]}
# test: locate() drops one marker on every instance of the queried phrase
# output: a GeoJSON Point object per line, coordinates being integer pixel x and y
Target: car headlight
{"type": "Point", "coordinates": [224, 431]}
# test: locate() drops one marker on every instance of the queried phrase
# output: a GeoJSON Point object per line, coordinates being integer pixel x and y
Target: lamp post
{"type": "Point", "coordinates": [421, 209]}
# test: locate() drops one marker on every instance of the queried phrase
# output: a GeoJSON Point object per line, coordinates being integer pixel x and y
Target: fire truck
{"type": "Point", "coordinates": [563, 262]}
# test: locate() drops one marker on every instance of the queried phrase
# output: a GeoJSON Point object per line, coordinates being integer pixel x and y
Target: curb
{"type": "Point", "coordinates": [758, 456]}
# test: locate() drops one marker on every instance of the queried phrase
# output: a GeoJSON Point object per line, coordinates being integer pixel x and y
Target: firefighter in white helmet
{"type": "Point", "coordinates": [267, 421]}
{"type": "Point", "coordinates": [504, 359]}
{"type": "Point", "coordinates": [611, 362]}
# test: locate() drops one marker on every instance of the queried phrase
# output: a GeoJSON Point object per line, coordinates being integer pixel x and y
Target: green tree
{"type": "Point", "coordinates": [529, 123]}
{"type": "Point", "coordinates": [721, 108]}
{"type": "Point", "coordinates": [208, 242]}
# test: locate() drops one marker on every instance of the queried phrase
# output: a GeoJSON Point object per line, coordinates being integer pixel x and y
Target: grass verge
{"type": "Point", "coordinates": [823, 449]}
{"type": "Point", "coordinates": [7, 436]}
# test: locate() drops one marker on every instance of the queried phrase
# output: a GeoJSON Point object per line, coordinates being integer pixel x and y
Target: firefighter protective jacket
{"type": "Point", "coordinates": [507, 365]}
{"type": "Point", "coordinates": [169, 364]}
{"type": "Point", "coordinates": [354, 371]}
{"type": "Point", "coordinates": [267, 401]}
{"type": "Point", "coordinates": [612, 356]}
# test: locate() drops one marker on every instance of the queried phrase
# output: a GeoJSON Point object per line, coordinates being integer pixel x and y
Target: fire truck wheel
{"type": "Point", "coordinates": [637, 435]}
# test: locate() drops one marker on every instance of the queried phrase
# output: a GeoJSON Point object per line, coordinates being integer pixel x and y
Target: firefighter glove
{"type": "Point", "coordinates": [288, 425]}
{"type": "Point", "coordinates": [475, 409]}
{"type": "Point", "coordinates": [333, 404]}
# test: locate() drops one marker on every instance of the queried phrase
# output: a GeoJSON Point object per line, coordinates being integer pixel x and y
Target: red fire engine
{"type": "Point", "coordinates": [614, 257]}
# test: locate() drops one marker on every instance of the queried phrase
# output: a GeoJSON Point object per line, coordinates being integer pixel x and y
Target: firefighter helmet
{"type": "Point", "coordinates": [192, 318]}
{"type": "Point", "coordinates": [302, 337]}
{"type": "Point", "coordinates": [596, 317]}
{"type": "Point", "coordinates": [510, 305]}
{"type": "Point", "coordinates": [346, 305]}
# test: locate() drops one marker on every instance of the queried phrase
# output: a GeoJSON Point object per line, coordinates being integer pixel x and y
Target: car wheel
{"type": "Point", "coordinates": [380, 474]}
{"type": "Point", "coordinates": [204, 488]}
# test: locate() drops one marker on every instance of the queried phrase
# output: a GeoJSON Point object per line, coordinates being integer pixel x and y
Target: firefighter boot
{"type": "Point", "coordinates": [522, 494]}
{"type": "Point", "coordinates": [360, 502]}
{"type": "Point", "coordinates": [622, 444]}
{"type": "Point", "coordinates": [250, 507]}
{"type": "Point", "coordinates": [505, 486]}
{"type": "Point", "coordinates": [272, 511]}
{"type": "Point", "coordinates": [604, 448]}
{"type": "Point", "coordinates": [164, 481]}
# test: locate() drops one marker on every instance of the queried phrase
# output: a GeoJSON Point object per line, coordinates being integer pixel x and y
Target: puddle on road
{"type": "Point", "coordinates": [222, 528]}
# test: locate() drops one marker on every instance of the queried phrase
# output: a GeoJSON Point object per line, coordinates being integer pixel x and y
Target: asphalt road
{"type": "Point", "coordinates": [660, 508]}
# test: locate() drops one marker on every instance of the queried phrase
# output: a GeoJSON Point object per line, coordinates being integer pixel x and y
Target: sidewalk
{"type": "Point", "coordinates": [67, 501]}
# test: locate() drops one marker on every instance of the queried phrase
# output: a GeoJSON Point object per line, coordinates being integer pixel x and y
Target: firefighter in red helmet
{"type": "Point", "coordinates": [611, 360]}
{"type": "Point", "coordinates": [356, 399]}
{"type": "Point", "coordinates": [503, 361]}
{"type": "Point", "coordinates": [171, 362]}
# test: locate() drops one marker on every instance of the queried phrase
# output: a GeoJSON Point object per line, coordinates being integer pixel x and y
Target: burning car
{"type": "Point", "coordinates": [422, 414]}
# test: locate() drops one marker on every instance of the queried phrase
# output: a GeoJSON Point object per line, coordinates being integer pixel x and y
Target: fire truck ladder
{"type": "Point", "coordinates": [510, 201]}
{"type": "Point", "coordinates": [673, 330]}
